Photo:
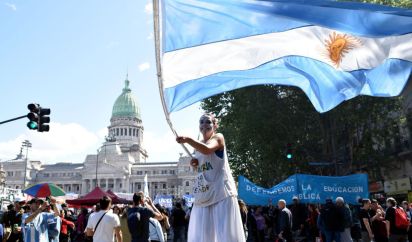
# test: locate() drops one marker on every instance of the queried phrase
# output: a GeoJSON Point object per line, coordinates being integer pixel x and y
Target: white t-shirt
{"type": "Point", "coordinates": [214, 181]}
{"type": "Point", "coordinates": [105, 230]}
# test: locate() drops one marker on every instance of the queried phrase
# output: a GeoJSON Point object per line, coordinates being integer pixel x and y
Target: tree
{"type": "Point", "coordinates": [253, 119]}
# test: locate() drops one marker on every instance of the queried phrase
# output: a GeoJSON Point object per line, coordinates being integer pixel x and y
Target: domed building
{"type": "Point", "coordinates": [120, 164]}
{"type": "Point", "coordinates": [126, 124]}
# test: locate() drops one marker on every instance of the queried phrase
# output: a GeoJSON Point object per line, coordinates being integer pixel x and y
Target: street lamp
{"type": "Point", "coordinates": [27, 145]}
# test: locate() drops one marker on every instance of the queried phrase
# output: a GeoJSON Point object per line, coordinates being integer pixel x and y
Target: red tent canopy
{"type": "Point", "coordinates": [113, 196]}
{"type": "Point", "coordinates": [93, 198]}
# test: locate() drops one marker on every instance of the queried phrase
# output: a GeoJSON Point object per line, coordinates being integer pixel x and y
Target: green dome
{"type": "Point", "coordinates": [125, 105]}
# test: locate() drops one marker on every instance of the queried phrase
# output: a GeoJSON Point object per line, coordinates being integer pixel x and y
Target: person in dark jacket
{"type": "Point", "coordinates": [178, 222]}
{"type": "Point", "coordinates": [345, 235]}
{"type": "Point", "coordinates": [251, 225]}
{"type": "Point", "coordinates": [284, 224]}
{"type": "Point", "coordinates": [299, 215]}
{"type": "Point", "coordinates": [332, 218]}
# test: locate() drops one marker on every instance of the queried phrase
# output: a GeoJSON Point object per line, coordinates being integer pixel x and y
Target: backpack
{"type": "Point", "coordinates": [401, 219]}
{"type": "Point", "coordinates": [135, 222]}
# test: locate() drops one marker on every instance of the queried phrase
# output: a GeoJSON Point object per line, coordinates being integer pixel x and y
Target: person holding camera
{"type": "Point", "coordinates": [36, 223]}
{"type": "Point", "coordinates": [138, 217]}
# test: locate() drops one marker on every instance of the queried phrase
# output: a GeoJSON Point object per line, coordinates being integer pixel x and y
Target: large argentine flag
{"type": "Point", "coordinates": [333, 51]}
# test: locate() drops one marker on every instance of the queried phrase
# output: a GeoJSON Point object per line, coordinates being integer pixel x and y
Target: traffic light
{"type": "Point", "coordinates": [38, 117]}
{"type": "Point", "coordinates": [33, 116]}
{"type": "Point", "coordinates": [44, 120]}
{"type": "Point", "coordinates": [289, 154]}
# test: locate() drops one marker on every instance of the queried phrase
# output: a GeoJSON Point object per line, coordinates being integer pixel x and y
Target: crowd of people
{"type": "Point", "coordinates": [44, 221]}
{"type": "Point", "coordinates": [41, 220]}
{"type": "Point", "coordinates": [216, 215]}
{"type": "Point", "coordinates": [331, 221]}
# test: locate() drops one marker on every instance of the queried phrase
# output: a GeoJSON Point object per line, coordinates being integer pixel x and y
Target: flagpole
{"type": "Point", "coordinates": [159, 69]}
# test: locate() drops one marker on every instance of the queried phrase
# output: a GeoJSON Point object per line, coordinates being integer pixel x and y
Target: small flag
{"type": "Point", "coordinates": [146, 186]}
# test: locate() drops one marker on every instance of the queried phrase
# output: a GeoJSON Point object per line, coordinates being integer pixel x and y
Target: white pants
{"type": "Point", "coordinates": [220, 222]}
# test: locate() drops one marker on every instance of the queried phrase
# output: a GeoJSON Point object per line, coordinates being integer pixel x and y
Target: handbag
{"type": "Point", "coordinates": [90, 238]}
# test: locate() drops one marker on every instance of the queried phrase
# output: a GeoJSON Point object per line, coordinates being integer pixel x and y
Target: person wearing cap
{"type": "Point", "coordinates": [35, 223]}
{"type": "Point", "coordinates": [345, 236]}
{"type": "Point", "coordinates": [299, 216]}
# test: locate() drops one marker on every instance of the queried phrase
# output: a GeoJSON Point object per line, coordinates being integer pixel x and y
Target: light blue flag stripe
{"type": "Point", "coordinates": [188, 23]}
{"type": "Point", "coordinates": [325, 86]}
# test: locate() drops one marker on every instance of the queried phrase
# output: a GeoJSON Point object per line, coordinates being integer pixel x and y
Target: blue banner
{"type": "Point", "coordinates": [164, 201]}
{"type": "Point", "coordinates": [308, 188]}
{"type": "Point", "coordinates": [189, 199]}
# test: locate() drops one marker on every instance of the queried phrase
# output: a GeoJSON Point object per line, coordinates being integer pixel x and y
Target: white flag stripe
{"type": "Point", "coordinates": [146, 186]}
{"type": "Point", "coordinates": [250, 52]}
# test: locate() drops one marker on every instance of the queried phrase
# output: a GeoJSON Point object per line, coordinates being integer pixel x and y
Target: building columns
{"type": "Point", "coordinates": [83, 187]}
{"type": "Point", "coordinates": [127, 184]}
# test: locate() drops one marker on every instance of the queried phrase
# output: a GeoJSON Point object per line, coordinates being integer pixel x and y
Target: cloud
{"type": "Point", "coordinates": [148, 8]}
{"type": "Point", "coordinates": [150, 36]}
{"type": "Point", "coordinates": [68, 142]}
{"type": "Point", "coordinates": [11, 6]}
{"type": "Point", "coordinates": [144, 66]}
{"type": "Point", "coordinates": [102, 133]}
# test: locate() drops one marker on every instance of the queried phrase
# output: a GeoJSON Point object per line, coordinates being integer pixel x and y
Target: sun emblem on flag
{"type": "Point", "coordinates": [338, 45]}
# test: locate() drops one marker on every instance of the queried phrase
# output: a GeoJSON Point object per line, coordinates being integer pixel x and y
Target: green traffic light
{"type": "Point", "coordinates": [32, 125]}
{"type": "Point", "coordinates": [289, 156]}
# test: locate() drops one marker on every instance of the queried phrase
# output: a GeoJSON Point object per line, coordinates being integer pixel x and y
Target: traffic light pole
{"type": "Point", "coordinates": [13, 119]}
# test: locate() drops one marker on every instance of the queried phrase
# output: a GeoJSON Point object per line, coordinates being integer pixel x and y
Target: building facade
{"type": "Point", "coordinates": [119, 165]}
